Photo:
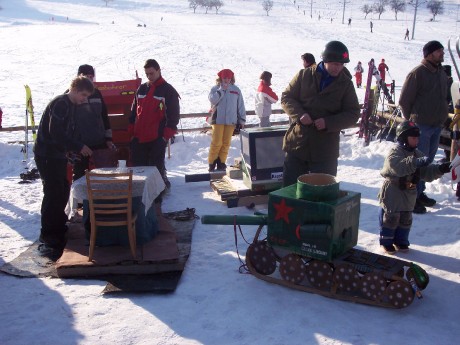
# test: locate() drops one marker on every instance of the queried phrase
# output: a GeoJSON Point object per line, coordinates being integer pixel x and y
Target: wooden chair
{"type": "Point", "coordinates": [110, 204]}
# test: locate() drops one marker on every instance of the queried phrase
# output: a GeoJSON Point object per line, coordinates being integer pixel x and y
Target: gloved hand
{"type": "Point", "coordinates": [444, 167]}
{"type": "Point", "coordinates": [402, 183]}
{"type": "Point", "coordinates": [422, 162]}
{"type": "Point", "coordinates": [168, 133]}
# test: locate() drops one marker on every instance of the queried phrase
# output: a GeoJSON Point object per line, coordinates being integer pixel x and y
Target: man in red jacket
{"type": "Point", "coordinates": [154, 118]}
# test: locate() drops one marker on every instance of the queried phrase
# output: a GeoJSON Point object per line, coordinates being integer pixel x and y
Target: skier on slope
{"type": "Point", "coordinates": [359, 70]}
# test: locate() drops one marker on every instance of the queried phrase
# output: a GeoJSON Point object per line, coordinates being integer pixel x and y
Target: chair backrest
{"type": "Point", "coordinates": [110, 198]}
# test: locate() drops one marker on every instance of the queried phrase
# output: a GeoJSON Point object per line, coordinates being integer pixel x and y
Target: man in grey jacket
{"type": "Point", "coordinates": [424, 98]}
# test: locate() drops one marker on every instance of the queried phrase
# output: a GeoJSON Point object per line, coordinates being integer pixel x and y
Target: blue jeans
{"type": "Point", "coordinates": [428, 144]}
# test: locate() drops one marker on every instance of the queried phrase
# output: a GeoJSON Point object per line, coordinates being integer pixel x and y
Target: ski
{"type": "Point", "coordinates": [364, 131]}
{"type": "Point", "coordinates": [452, 56]}
{"type": "Point", "coordinates": [30, 111]}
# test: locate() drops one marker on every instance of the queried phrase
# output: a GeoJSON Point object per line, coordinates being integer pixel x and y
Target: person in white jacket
{"type": "Point", "coordinates": [265, 97]}
{"type": "Point", "coordinates": [228, 112]}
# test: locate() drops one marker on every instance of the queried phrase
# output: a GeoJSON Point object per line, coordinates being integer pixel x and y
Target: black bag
{"type": "Point", "coordinates": [104, 158]}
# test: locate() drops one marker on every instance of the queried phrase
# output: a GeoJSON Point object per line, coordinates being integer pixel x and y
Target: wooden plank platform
{"type": "Point", "coordinates": [235, 195]}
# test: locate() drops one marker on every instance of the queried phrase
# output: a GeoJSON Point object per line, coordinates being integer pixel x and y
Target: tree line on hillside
{"type": "Point", "coordinates": [267, 5]}
{"type": "Point", "coordinates": [379, 6]}
{"type": "Point", "coordinates": [206, 4]}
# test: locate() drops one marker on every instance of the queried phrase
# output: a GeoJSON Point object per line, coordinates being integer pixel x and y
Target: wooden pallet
{"type": "Point", "coordinates": [234, 196]}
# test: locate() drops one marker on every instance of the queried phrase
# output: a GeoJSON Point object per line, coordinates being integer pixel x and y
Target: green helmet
{"type": "Point", "coordinates": [407, 129]}
{"type": "Point", "coordinates": [335, 51]}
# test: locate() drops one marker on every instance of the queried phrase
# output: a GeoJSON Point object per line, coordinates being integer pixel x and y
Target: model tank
{"type": "Point", "coordinates": [312, 229]}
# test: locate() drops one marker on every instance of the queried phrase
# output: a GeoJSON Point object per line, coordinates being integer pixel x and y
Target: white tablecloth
{"type": "Point", "coordinates": [147, 182]}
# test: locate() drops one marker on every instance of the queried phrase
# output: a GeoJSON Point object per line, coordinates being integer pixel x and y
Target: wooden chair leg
{"type": "Point", "coordinates": [92, 242]}
{"type": "Point", "coordinates": [132, 239]}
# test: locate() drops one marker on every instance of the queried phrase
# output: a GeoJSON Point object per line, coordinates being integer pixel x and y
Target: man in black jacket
{"type": "Point", "coordinates": [50, 149]}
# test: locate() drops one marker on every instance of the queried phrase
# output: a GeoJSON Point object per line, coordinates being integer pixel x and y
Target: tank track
{"type": "Point", "coordinates": [357, 276]}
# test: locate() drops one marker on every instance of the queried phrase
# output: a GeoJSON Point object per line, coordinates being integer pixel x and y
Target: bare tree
{"type": "Point", "coordinates": [193, 4]}
{"type": "Point", "coordinates": [217, 4]}
{"type": "Point", "coordinates": [397, 6]}
{"type": "Point", "coordinates": [207, 4]}
{"type": "Point", "coordinates": [267, 5]}
{"type": "Point", "coordinates": [379, 6]}
{"type": "Point", "coordinates": [106, 2]}
{"type": "Point", "coordinates": [436, 7]}
{"type": "Point", "coordinates": [366, 10]}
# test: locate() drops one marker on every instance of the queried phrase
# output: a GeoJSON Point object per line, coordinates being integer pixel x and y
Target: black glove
{"type": "Point", "coordinates": [416, 176]}
{"type": "Point", "coordinates": [422, 162]}
{"type": "Point", "coordinates": [444, 167]}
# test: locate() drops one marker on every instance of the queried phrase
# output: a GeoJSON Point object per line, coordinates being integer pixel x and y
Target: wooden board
{"type": "Point", "coordinates": [248, 201]}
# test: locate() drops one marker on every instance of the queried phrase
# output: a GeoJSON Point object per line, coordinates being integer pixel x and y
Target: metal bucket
{"type": "Point", "coordinates": [317, 187]}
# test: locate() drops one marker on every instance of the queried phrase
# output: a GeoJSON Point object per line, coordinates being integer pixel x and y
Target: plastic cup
{"type": "Point", "coordinates": [122, 164]}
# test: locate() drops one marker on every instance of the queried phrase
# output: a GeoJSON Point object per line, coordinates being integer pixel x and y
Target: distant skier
{"type": "Point", "coordinates": [407, 35]}
{"type": "Point", "coordinates": [359, 70]}
{"type": "Point", "coordinates": [1, 115]}
{"type": "Point", "coordinates": [349, 21]}
{"type": "Point", "coordinates": [382, 67]}
{"type": "Point", "coordinates": [371, 24]}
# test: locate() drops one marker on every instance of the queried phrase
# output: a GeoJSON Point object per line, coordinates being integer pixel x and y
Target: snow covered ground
{"type": "Point", "coordinates": [42, 45]}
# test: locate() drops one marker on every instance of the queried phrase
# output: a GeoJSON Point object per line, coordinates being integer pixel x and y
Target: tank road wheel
{"type": "Point", "coordinates": [373, 285]}
{"type": "Point", "coordinates": [262, 258]}
{"type": "Point", "coordinates": [319, 274]}
{"type": "Point", "coordinates": [346, 278]}
{"type": "Point", "coordinates": [399, 294]}
{"type": "Point", "coordinates": [292, 268]}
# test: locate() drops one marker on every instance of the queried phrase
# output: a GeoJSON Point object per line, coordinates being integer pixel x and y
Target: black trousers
{"type": "Point", "coordinates": [56, 190]}
{"type": "Point", "coordinates": [151, 153]}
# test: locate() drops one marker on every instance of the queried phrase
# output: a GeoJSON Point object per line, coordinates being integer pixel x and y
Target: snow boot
{"type": "Point", "coordinates": [221, 166]}
{"type": "Point", "coordinates": [212, 166]}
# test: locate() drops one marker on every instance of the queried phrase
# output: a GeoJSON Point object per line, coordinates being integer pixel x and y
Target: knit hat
{"type": "Point", "coordinates": [431, 47]}
{"type": "Point", "coordinates": [85, 70]}
{"type": "Point", "coordinates": [225, 73]}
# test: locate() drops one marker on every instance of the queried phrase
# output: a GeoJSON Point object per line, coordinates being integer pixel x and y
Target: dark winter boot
{"type": "Point", "coordinates": [221, 166]}
{"type": "Point", "coordinates": [212, 166]}
{"type": "Point", "coordinates": [402, 239]}
{"type": "Point", "coordinates": [386, 239]}
{"type": "Point", "coordinates": [419, 208]}
{"type": "Point", "coordinates": [424, 200]}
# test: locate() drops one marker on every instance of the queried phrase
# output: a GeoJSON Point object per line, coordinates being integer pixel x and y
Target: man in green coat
{"type": "Point", "coordinates": [320, 101]}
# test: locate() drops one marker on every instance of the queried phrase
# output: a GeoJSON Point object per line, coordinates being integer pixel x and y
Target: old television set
{"type": "Point", "coordinates": [263, 157]}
